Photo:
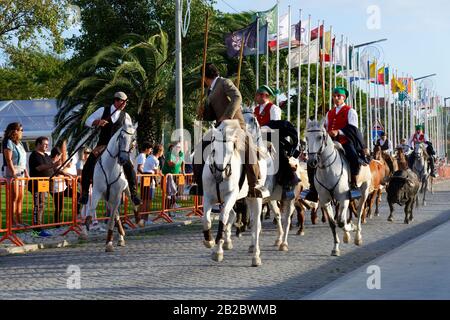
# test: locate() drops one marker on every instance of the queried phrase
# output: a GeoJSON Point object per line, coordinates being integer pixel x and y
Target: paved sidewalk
{"type": "Point", "coordinates": [416, 270]}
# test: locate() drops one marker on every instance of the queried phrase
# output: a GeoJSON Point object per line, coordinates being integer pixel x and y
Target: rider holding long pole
{"type": "Point", "coordinates": [420, 137]}
{"type": "Point", "coordinates": [109, 120]}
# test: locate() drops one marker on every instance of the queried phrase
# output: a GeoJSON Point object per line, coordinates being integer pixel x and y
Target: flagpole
{"type": "Point", "coordinates": [359, 91]}
{"type": "Point", "coordinates": [257, 52]}
{"type": "Point", "coordinates": [317, 75]}
{"type": "Point", "coordinates": [289, 66]}
{"type": "Point", "coordinates": [241, 56]}
{"type": "Point", "coordinates": [299, 88]}
{"type": "Point", "coordinates": [322, 63]}
{"type": "Point", "coordinates": [368, 105]}
{"type": "Point", "coordinates": [267, 54]}
{"type": "Point", "coordinates": [278, 50]}
{"type": "Point", "coordinates": [308, 94]}
{"type": "Point", "coordinates": [330, 101]}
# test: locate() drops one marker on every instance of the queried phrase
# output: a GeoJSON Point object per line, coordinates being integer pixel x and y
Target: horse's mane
{"type": "Point", "coordinates": [401, 160]}
{"type": "Point", "coordinates": [233, 128]}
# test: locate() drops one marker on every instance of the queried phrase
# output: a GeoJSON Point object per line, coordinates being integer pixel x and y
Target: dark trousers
{"type": "Point", "coordinates": [38, 207]}
{"type": "Point", "coordinates": [352, 158]}
{"type": "Point", "coordinates": [88, 173]}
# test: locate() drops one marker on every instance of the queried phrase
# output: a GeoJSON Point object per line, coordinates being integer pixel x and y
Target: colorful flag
{"type": "Point", "coordinates": [233, 41]}
{"type": "Point", "coordinates": [315, 32]}
{"type": "Point", "coordinates": [300, 54]}
{"type": "Point", "coordinates": [270, 17]}
{"type": "Point", "coordinates": [298, 34]}
{"type": "Point", "coordinates": [373, 70]}
{"type": "Point", "coordinates": [381, 76]}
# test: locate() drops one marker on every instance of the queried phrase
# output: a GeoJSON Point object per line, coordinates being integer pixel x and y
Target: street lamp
{"type": "Point", "coordinates": [368, 43]}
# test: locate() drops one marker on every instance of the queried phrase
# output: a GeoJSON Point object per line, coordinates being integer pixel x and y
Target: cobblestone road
{"type": "Point", "coordinates": [175, 265]}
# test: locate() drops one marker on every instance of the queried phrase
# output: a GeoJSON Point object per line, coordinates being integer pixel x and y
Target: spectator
{"type": "Point", "coordinates": [146, 150]}
{"type": "Point", "coordinates": [174, 160]}
{"type": "Point", "coordinates": [14, 166]}
{"type": "Point", "coordinates": [42, 166]}
{"type": "Point", "coordinates": [82, 160]}
{"type": "Point", "coordinates": [151, 165]}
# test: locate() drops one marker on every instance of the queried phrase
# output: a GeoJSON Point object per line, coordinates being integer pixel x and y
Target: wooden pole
{"type": "Point", "coordinates": [205, 49]}
{"type": "Point", "coordinates": [241, 55]}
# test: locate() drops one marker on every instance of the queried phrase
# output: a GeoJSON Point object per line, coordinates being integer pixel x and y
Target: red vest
{"type": "Point", "coordinates": [420, 139]}
{"type": "Point", "coordinates": [264, 116]}
{"type": "Point", "coordinates": [338, 122]}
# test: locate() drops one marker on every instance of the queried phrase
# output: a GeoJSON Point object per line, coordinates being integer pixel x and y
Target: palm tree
{"type": "Point", "coordinates": [140, 67]}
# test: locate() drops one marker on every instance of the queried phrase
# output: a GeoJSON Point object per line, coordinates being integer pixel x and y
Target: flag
{"type": "Point", "coordinates": [298, 34]}
{"type": "Point", "coordinates": [381, 76]}
{"type": "Point", "coordinates": [300, 54]}
{"type": "Point", "coordinates": [270, 17]}
{"type": "Point", "coordinates": [328, 46]}
{"type": "Point", "coordinates": [233, 41]}
{"type": "Point", "coordinates": [315, 32]}
{"type": "Point", "coordinates": [373, 70]}
{"type": "Point", "coordinates": [340, 52]}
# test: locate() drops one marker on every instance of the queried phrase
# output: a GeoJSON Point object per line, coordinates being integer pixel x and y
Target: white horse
{"type": "Point", "coordinates": [332, 182]}
{"type": "Point", "coordinates": [283, 216]}
{"type": "Point", "coordinates": [221, 175]}
{"type": "Point", "coordinates": [109, 182]}
{"type": "Point", "coordinates": [420, 167]}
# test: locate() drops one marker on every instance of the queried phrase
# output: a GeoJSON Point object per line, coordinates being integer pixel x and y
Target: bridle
{"type": "Point", "coordinates": [213, 166]}
{"type": "Point", "coordinates": [119, 139]}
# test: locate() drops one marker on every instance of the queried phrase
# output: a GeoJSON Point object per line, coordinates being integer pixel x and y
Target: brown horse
{"type": "Point", "coordinates": [378, 170]}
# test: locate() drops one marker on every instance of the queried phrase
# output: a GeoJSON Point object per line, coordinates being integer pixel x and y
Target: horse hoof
{"type": "Point", "coordinates": [141, 224]}
{"type": "Point", "coordinates": [256, 262]}
{"type": "Point", "coordinates": [239, 235]}
{"type": "Point", "coordinates": [278, 243]}
{"type": "Point", "coordinates": [283, 247]}
{"type": "Point", "coordinates": [208, 244]}
{"type": "Point", "coordinates": [228, 246]}
{"type": "Point", "coordinates": [300, 233]}
{"type": "Point", "coordinates": [251, 249]}
{"type": "Point", "coordinates": [121, 243]}
{"type": "Point", "coordinates": [406, 221]}
{"type": "Point", "coordinates": [109, 248]}
{"type": "Point", "coordinates": [336, 253]}
{"type": "Point", "coordinates": [411, 219]}
{"type": "Point", "coordinates": [218, 257]}
{"type": "Point", "coordinates": [390, 219]}
{"type": "Point", "coordinates": [424, 203]}
{"type": "Point", "coordinates": [347, 238]}
{"type": "Point", "coordinates": [358, 242]}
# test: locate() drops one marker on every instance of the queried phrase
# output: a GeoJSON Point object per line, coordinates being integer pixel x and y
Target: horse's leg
{"type": "Point", "coordinates": [111, 222]}
{"type": "Point", "coordinates": [120, 229]}
{"type": "Point", "coordinates": [343, 221]}
{"type": "Point", "coordinates": [277, 213]}
{"type": "Point", "coordinates": [90, 212]}
{"type": "Point", "coordinates": [324, 216]}
{"type": "Point", "coordinates": [408, 210]}
{"type": "Point", "coordinates": [206, 219]}
{"type": "Point", "coordinates": [301, 220]}
{"type": "Point", "coordinates": [228, 245]}
{"type": "Point", "coordinates": [314, 215]}
{"type": "Point", "coordinates": [425, 188]}
{"type": "Point", "coordinates": [377, 203]}
{"type": "Point", "coordinates": [364, 193]}
{"type": "Point", "coordinates": [287, 209]}
{"type": "Point", "coordinates": [328, 211]}
{"type": "Point", "coordinates": [391, 210]}
{"type": "Point", "coordinates": [255, 206]}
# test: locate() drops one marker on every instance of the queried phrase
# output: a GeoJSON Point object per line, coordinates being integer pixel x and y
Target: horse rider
{"type": "Point", "coordinates": [342, 125]}
{"type": "Point", "coordinates": [404, 146]}
{"type": "Point", "coordinates": [420, 137]}
{"type": "Point", "coordinates": [109, 120]}
{"type": "Point", "coordinates": [265, 110]}
{"type": "Point", "coordinates": [384, 143]}
{"type": "Point", "coordinates": [222, 103]}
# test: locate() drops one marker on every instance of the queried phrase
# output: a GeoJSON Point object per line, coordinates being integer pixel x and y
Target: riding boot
{"type": "Point", "coordinates": [312, 195]}
{"type": "Point", "coordinates": [86, 177]}
{"type": "Point", "coordinates": [130, 174]}
{"type": "Point", "coordinates": [411, 160]}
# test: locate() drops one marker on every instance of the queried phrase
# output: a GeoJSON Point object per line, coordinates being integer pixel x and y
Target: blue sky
{"type": "Point", "coordinates": [417, 31]}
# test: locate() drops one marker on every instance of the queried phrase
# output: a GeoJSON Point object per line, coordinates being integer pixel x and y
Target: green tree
{"type": "Point", "coordinates": [29, 19]}
{"type": "Point", "coordinates": [139, 67]}
{"type": "Point", "coordinates": [32, 74]}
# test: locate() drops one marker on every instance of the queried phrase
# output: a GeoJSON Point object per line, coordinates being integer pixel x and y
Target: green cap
{"type": "Point", "coordinates": [268, 90]}
{"type": "Point", "coordinates": [341, 90]}
{"type": "Point", "coordinates": [419, 127]}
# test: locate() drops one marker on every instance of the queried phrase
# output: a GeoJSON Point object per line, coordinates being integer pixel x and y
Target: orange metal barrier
{"type": "Point", "coordinates": [54, 203]}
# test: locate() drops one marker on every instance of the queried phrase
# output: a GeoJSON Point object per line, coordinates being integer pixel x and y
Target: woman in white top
{"type": "Point", "coordinates": [15, 166]}
{"type": "Point", "coordinates": [146, 150]}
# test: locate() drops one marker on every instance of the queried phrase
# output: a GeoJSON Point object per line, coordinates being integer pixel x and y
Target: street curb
{"type": "Point", "coordinates": [66, 243]}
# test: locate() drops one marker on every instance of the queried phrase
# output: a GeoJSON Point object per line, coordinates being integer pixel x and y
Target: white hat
{"type": "Point", "coordinates": [120, 95]}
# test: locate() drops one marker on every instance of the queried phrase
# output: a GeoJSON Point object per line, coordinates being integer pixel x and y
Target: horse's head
{"type": "Point", "coordinates": [126, 141]}
{"type": "Point", "coordinates": [419, 149]}
{"type": "Point", "coordinates": [377, 154]}
{"type": "Point", "coordinates": [317, 140]}
{"type": "Point", "coordinates": [252, 125]}
{"type": "Point", "coordinates": [227, 138]}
